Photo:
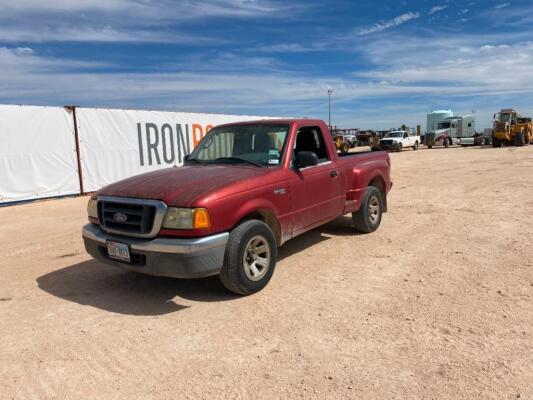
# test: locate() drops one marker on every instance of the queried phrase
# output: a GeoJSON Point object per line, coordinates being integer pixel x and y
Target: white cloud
{"type": "Point", "coordinates": [119, 20]}
{"type": "Point", "coordinates": [290, 48]}
{"type": "Point", "coordinates": [478, 69]}
{"type": "Point", "coordinates": [502, 5]}
{"type": "Point", "coordinates": [149, 9]}
{"type": "Point", "coordinates": [436, 9]}
{"type": "Point", "coordinates": [399, 20]}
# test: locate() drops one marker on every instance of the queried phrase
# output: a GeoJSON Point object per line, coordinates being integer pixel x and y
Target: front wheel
{"type": "Point", "coordinates": [415, 146]}
{"type": "Point", "coordinates": [368, 217]}
{"type": "Point", "coordinates": [446, 143]}
{"type": "Point", "coordinates": [519, 140]}
{"type": "Point", "coordinates": [250, 258]}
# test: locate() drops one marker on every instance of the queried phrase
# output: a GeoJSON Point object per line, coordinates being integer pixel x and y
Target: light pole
{"type": "Point", "coordinates": [330, 92]}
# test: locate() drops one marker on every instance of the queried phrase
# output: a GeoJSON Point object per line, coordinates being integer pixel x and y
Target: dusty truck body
{"type": "Point", "coordinates": [246, 189]}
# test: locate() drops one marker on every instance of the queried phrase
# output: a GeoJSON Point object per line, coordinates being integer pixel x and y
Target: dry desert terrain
{"type": "Point", "coordinates": [437, 304]}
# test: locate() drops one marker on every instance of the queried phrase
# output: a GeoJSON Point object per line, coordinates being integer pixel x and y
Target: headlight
{"type": "Point", "coordinates": [186, 218]}
{"type": "Point", "coordinates": [92, 208]}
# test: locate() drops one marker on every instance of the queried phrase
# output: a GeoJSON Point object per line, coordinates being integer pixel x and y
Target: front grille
{"type": "Point", "coordinates": [386, 142]}
{"type": "Point", "coordinates": [126, 217]}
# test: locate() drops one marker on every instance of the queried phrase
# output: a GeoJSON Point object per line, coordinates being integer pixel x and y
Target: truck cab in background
{"type": "Point", "coordinates": [453, 130]}
{"type": "Point", "coordinates": [398, 140]}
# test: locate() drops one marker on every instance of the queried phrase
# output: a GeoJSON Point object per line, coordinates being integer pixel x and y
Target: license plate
{"type": "Point", "coordinates": [118, 251]}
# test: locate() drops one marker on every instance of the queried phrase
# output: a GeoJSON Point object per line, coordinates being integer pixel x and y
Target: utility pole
{"type": "Point", "coordinates": [330, 92]}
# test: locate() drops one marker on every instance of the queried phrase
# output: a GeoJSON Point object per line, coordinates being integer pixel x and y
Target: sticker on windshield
{"type": "Point", "coordinates": [273, 152]}
{"type": "Point", "coordinates": [273, 161]}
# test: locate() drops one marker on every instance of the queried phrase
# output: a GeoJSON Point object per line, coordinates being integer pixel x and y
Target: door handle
{"type": "Point", "coordinates": [333, 174]}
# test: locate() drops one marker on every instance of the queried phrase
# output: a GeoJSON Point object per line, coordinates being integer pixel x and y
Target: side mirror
{"type": "Point", "coordinates": [306, 159]}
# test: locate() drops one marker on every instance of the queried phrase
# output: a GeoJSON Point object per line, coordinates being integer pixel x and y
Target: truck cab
{"type": "Point", "coordinates": [398, 140]}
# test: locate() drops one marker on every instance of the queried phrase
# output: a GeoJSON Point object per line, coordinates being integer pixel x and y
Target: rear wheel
{"type": "Point", "coordinates": [250, 258]}
{"type": "Point", "coordinates": [446, 143]}
{"type": "Point", "coordinates": [368, 217]}
{"type": "Point", "coordinates": [415, 146]}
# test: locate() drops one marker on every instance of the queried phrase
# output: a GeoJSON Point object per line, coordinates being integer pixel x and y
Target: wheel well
{"type": "Point", "coordinates": [379, 183]}
{"type": "Point", "coordinates": [268, 217]}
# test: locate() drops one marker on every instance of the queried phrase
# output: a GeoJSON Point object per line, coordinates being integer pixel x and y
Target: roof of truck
{"type": "Point", "coordinates": [276, 121]}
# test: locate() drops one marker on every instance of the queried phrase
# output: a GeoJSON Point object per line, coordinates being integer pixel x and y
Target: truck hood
{"type": "Point", "coordinates": [183, 185]}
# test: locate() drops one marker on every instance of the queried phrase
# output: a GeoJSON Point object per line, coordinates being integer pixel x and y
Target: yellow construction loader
{"type": "Point", "coordinates": [510, 128]}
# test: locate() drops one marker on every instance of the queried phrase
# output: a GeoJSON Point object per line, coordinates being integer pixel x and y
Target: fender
{"type": "Point", "coordinates": [361, 179]}
{"type": "Point", "coordinates": [267, 212]}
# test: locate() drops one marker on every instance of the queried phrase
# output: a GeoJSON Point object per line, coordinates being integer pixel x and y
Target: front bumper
{"type": "Point", "coordinates": [176, 258]}
{"type": "Point", "coordinates": [391, 146]}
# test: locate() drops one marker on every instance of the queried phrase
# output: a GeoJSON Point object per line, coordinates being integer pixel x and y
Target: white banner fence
{"type": "Point", "coordinates": [58, 151]}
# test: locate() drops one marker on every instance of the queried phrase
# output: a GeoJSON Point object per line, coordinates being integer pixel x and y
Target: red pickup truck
{"type": "Point", "coordinates": [245, 190]}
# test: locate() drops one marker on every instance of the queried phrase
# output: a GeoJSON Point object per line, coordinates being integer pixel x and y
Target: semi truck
{"type": "Point", "coordinates": [453, 130]}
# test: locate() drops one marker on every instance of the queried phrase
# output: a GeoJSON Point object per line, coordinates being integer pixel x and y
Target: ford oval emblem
{"type": "Point", "coordinates": [119, 217]}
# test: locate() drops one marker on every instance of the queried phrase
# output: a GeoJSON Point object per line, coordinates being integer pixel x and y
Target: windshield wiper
{"type": "Point", "coordinates": [240, 160]}
{"type": "Point", "coordinates": [196, 160]}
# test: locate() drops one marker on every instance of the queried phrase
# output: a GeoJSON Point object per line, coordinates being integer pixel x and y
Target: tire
{"type": "Point", "coordinates": [400, 146]}
{"type": "Point", "coordinates": [496, 143]}
{"type": "Point", "coordinates": [519, 140]}
{"type": "Point", "coordinates": [367, 219]}
{"type": "Point", "coordinates": [236, 275]}
{"type": "Point", "coordinates": [446, 143]}
{"type": "Point", "coordinates": [430, 146]}
{"type": "Point", "coordinates": [415, 147]}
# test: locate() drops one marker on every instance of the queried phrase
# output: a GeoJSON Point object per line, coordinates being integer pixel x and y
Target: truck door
{"type": "Point", "coordinates": [406, 140]}
{"type": "Point", "coordinates": [316, 192]}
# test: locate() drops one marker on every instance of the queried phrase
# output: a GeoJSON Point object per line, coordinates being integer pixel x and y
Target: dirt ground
{"type": "Point", "coordinates": [437, 304]}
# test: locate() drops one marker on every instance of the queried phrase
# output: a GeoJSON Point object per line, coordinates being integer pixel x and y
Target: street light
{"type": "Point", "coordinates": [330, 92]}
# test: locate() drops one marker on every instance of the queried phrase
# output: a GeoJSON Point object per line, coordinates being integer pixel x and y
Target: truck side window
{"type": "Point", "coordinates": [311, 139]}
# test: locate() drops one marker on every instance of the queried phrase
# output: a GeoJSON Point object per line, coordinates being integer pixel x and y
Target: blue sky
{"type": "Point", "coordinates": [388, 62]}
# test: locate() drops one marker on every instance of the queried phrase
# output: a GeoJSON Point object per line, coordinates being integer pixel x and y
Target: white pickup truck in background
{"type": "Point", "coordinates": [398, 140]}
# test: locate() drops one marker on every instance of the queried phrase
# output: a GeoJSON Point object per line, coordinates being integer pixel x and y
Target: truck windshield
{"type": "Point", "coordinates": [444, 125]}
{"type": "Point", "coordinates": [257, 144]}
{"type": "Point", "coordinates": [394, 134]}
{"type": "Point", "coordinates": [505, 117]}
